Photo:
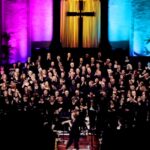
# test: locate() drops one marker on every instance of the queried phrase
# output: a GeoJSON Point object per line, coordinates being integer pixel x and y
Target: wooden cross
{"type": "Point", "coordinates": [80, 14]}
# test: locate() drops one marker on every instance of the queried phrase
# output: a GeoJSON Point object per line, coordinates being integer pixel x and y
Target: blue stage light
{"type": "Point", "coordinates": [119, 23]}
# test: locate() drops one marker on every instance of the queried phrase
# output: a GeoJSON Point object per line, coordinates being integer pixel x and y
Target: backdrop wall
{"type": "Point", "coordinates": [15, 17]}
{"type": "Point", "coordinates": [119, 23]}
{"type": "Point", "coordinates": [128, 26]}
{"type": "Point", "coordinates": [41, 17]}
{"type": "Point", "coordinates": [0, 24]}
{"type": "Point", "coordinates": [69, 26]}
{"type": "Point", "coordinates": [140, 38]}
{"type": "Point", "coordinates": [26, 21]}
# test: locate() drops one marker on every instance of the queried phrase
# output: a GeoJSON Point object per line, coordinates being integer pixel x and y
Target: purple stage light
{"type": "Point", "coordinates": [41, 20]}
{"type": "Point", "coordinates": [27, 21]}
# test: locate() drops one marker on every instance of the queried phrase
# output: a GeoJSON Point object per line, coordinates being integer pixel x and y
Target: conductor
{"type": "Point", "coordinates": [75, 129]}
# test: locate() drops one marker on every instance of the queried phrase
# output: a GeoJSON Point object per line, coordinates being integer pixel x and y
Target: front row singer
{"type": "Point", "coordinates": [75, 124]}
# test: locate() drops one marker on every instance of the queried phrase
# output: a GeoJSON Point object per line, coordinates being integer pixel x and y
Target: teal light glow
{"type": "Point", "coordinates": [140, 44]}
{"type": "Point", "coordinates": [119, 23]}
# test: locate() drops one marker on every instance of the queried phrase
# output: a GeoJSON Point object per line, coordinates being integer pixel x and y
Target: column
{"type": "Point", "coordinates": [55, 44]}
{"type": "Point", "coordinates": [104, 45]}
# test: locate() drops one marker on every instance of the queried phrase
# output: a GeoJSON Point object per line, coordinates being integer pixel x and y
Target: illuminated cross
{"type": "Point", "coordinates": [80, 14]}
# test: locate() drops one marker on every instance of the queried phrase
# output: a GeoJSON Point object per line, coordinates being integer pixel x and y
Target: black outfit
{"type": "Point", "coordinates": [74, 134]}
